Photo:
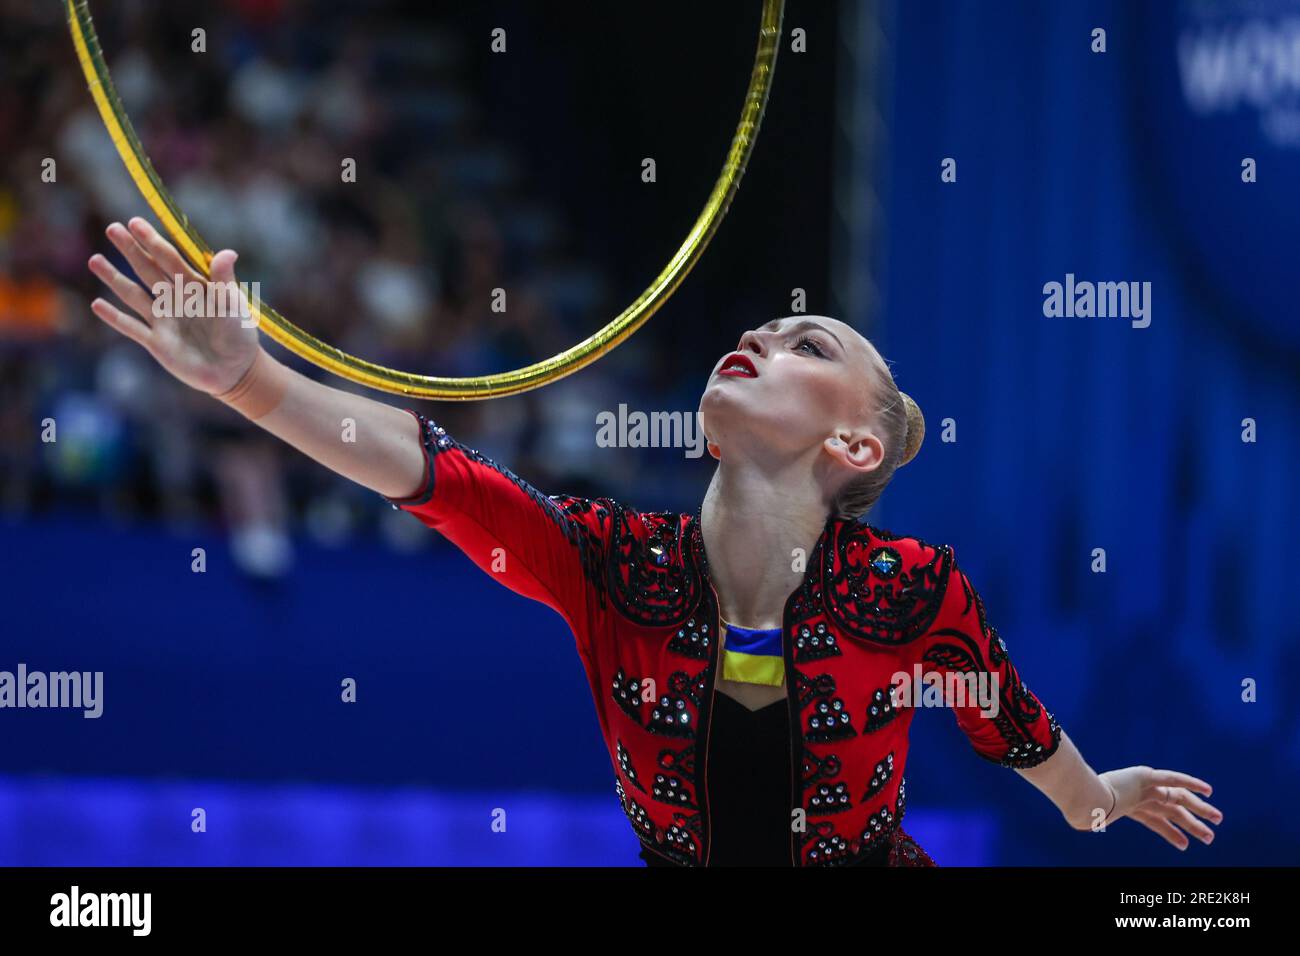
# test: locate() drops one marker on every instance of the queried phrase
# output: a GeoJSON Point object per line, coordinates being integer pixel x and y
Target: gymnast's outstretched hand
{"type": "Point", "coordinates": [1164, 801]}
{"type": "Point", "coordinates": [209, 352]}
{"type": "Point", "coordinates": [214, 348]}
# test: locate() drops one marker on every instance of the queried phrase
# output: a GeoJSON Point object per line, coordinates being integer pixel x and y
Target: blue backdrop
{"type": "Point", "coordinates": [1082, 433]}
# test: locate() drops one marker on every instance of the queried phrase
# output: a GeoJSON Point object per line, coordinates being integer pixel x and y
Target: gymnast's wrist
{"type": "Point", "coordinates": [261, 388]}
{"type": "Point", "coordinates": [1088, 818]}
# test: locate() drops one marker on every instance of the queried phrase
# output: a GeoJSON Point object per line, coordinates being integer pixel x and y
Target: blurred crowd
{"type": "Point", "coordinates": [251, 133]}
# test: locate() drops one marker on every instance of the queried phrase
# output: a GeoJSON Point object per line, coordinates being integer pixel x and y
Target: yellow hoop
{"type": "Point", "coordinates": [358, 370]}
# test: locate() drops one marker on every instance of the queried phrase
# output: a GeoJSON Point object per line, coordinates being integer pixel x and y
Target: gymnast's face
{"type": "Point", "coordinates": [795, 387]}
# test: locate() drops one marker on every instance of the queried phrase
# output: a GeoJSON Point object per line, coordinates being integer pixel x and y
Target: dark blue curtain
{"type": "Point", "coordinates": [1074, 434]}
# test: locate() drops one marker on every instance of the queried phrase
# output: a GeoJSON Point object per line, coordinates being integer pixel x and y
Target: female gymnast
{"type": "Point", "coordinates": [753, 665]}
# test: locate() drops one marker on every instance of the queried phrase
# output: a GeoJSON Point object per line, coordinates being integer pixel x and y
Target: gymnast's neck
{"type": "Point", "coordinates": [760, 525]}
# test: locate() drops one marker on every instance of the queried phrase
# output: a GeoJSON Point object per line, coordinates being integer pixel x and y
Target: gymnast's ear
{"type": "Point", "coordinates": [861, 453]}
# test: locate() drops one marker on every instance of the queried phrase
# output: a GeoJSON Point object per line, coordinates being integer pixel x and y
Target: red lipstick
{"type": "Point", "coordinates": [738, 364]}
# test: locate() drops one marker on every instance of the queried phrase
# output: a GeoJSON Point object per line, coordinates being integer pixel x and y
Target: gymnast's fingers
{"type": "Point", "coordinates": [1160, 825]}
{"type": "Point", "coordinates": [134, 329]}
{"type": "Point", "coordinates": [1198, 806]}
{"type": "Point", "coordinates": [150, 272]}
{"type": "Point", "coordinates": [1172, 778]}
{"type": "Point", "coordinates": [131, 293]}
{"type": "Point", "coordinates": [1183, 817]}
{"type": "Point", "coordinates": [162, 251]}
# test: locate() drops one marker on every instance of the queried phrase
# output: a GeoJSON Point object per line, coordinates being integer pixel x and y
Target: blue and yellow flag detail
{"type": "Point", "coordinates": [753, 656]}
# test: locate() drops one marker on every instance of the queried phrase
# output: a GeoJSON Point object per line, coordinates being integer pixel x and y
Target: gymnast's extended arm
{"type": "Point", "coordinates": [1164, 801]}
{"type": "Point", "coordinates": [221, 355]}
{"type": "Point", "coordinates": [545, 547]}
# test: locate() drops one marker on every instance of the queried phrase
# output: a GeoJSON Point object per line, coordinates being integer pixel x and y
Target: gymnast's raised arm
{"type": "Point", "coordinates": [221, 355]}
{"type": "Point", "coordinates": [543, 547]}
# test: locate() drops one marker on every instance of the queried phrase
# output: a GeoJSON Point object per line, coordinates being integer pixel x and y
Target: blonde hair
{"type": "Point", "coordinates": [903, 425]}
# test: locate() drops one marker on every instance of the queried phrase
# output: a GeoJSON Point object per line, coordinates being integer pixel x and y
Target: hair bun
{"type": "Point", "coordinates": [915, 429]}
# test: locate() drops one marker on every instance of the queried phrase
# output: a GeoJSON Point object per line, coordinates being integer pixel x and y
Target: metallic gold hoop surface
{"type": "Point", "coordinates": [358, 370]}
